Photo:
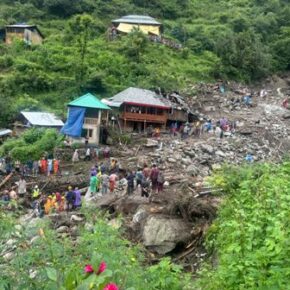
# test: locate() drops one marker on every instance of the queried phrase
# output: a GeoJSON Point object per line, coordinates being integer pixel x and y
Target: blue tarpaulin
{"type": "Point", "coordinates": [74, 124]}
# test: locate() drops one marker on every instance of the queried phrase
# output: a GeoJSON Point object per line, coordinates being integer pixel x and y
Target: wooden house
{"type": "Point", "coordinates": [84, 119]}
{"type": "Point", "coordinates": [136, 109]}
{"type": "Point", "coordinates": [146, 24]}
{"type": "Point", "coordinates": [30, 34]}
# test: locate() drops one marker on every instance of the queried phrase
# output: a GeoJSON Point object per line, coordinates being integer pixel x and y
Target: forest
{"type": "Point", "coordinates": [238, 40]}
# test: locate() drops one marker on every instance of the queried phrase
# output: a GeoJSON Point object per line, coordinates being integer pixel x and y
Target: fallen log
{"type": "Point", "coordinates": [6, 179]}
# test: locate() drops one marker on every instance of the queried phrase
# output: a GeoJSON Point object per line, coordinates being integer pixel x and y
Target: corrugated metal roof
{"type": "Point", "coordinates": [137, 19]}
{"type": "Point", "coordinates": [89, 101]}
{"type": "Point", "coordinates": [42, 119]}
{"type": "Point", "coordinates": [4, 132]}
{"type": "Point", "coordinates": [138, 96]}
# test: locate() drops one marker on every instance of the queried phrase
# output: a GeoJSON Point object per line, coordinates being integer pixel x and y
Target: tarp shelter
{"type": "Point", "coordinates": [77, 111]}
{"type": "Point", "coordinates": [146, 29]}
{"type": "Point", "coordinates": [5, 132]}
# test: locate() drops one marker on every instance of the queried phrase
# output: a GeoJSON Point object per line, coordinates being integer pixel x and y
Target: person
{"type": "Point", "coordinates": [112, 182]}
{"type": "Point", "coordinates": [21, 187]}
{"type": "Point", "coordinates": [139, 177]}
{"type": "Point", "coordinates": [154, 176]}
{"type": "Point", "coordinates": [59, 202]}
{"type": "Point", "coordinates": [107, 152]}
{"type": "Point", "coordinates": [145, 186]}
{"type": "Point", "coordinates": [35, 192]}
{"type": "Point", "coordinates": [97, 152]}
{"type": "Point", "coordinates": [160, 181]}
{"type": "Point", "coordinates": [55, 166]}
{"type": "Point", "coordinates": [149, 131]}
{"type": "Point", "coordinates": [17, 166]}
{"type": "Point", "coordinates": [93, 171]}
{"type": "Point", "coordinates": [249, 158]}
{"type": "Point", "coordinates": [70, 198]}
{"type": "Point", "coordinates": [43, 165]}
{"type": "Point", "coordinates": [104, 182]}
{"type": "Point", "coordinates": [130, 185]}
{"type": "Point", "coordinates": [49, 167]}
{"type": "Point", "coordinates": [156, 132]}
{"type": "Point", "coordinates": [48, 205]}
{"type": "Point", "coordinates": [75, 157]}
{"type": "Point", "coordinates": [146, 171]}
{"type": "Point", "coordinates": [5, 197]}
{"type": "Point", "coordinates": [35, 168]}
{"type": "Point", "coordinates": [78, 198]}
{"type": "Point", "coordinates": [88, 154]}
{"type": "Point", "coordinates": [86, 141]}
{"type": "Point", "coordinates": [93, 184]}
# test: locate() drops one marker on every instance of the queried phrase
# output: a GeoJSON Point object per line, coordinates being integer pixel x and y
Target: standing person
{"type": "Point", "coordinates": [146, 171]}
{"type": "Point", "coordinates": [93, 184]}
{"type": "Point", "coordinates": [70, 198]}
{"type": "Point", "coordinates": [88, 154]}
{"type": "Point", "coordinates": [43, 165]}
{"type": "Point", "coordinates": [112, 182]}
{"type": "Point", "coordinates": [55, 166]}
{"type": "Point", "coordinates": [97, 153]}
{"type": "Point", "coordinates": [21, 187]}
{"type": "Point", "coordinates": [49, 167]}
{"type": "Point", "coordinates": [107, 152]}
{"type": "Point", "coordinates": [139, 177]}
{"type": "Point", "coordinates": [75, 157]}
{"type": "Point", "coordinates": [78, 198]}
{"type": "Point", "coordinates": [160, 181]}
{"type": "Point", "coordinates": [154, 176]}
{"type": "Point", "coordinates": [104, 183]}
{"type": "Point", "coordinates": [17, 166]}
{"type": "Point", "coordinates": [130, 182]}
{"type": "Point", "coordinates": [145, 187]}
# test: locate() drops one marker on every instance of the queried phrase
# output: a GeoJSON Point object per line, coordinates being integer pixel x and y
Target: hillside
{"type": "Point", "coordinates": [241, 40]}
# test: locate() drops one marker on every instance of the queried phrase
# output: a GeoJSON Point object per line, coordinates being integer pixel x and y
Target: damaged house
{"type": "Point", "coordinates": [135, 109]}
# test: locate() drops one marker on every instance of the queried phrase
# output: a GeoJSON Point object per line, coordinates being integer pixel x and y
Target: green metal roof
{"type": "Point", "coordinates": [89, 101]}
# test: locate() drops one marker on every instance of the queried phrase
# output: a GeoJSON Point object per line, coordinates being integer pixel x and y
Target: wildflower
{"type": "Point", "coordinates": [111, 286]}
{"type": "Point", "coordinates": [102, 268]}
{"type": "Point", "coordinates": [89, 269]}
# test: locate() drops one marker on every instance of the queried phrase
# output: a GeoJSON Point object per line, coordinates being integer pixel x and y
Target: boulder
{"type": "Point", "coordinates": [220, 153]}
{"type": "Point", "coordinates": [62, 229]}
{"type": "Point", "coordinates": [162, 234]}
{"type": "Point", "coordinates": [207, 148]}
{"type": "Point", "coordinates": [192, 169]}
{"type": "Point", "coordinates": [171, 160]}
{"type": "Point", "coordinates": [151, 143]}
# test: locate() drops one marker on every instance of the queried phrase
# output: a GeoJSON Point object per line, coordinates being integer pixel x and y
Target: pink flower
{"type": "Point", "coordinates": [111, 286]}
{"type": "Point", "coordinates": [102, 268]}
{"type": "Point", "coordinates": [89, 269]}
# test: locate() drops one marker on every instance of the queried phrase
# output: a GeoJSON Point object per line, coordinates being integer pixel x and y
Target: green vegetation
{"type": "Point", "coordinates": [51, 263]}
{"type": "Point", "coordinates": [237, 39]}
{"type": "Point", "coordinates": [31, 145]}
{"type": "Point", "coordinates": [250, 238]}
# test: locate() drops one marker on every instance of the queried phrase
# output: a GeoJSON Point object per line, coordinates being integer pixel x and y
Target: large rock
{"type": "Point", "coordinates": [162, 234]}
{"type": "Point", "coordinates": [192, 170]}
{"type": "Point", "coordinates": [151, 143]}
{"type": "Point", "coordinates": [207, 148]}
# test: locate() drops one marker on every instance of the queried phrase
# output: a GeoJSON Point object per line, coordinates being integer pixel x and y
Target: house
{"type": "Point", "coordinates": [30, 34]}
{"type": "Point", "coordinates": [146, 24]}
{"type": "Point", "coordinates": [84, 119]}
{"type": "Point", "coordinates": [4, 134]}
{"type": "Point", "coordinates": [180, 110]}
{"type": "Point", "coordinates": [36, 119]}
{"type": "Point", "coordinates": [138, 108]}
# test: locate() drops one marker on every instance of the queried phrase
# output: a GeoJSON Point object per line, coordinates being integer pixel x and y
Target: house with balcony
{"type": "Point", "coordinates": [85, 119]}
{"type": "Point", "coordinates": [136, 109]}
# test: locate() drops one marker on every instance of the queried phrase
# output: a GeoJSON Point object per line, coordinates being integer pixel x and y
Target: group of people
{"type": "Point", "coordinates": [45, 165]}
{"type": "Point", "coordinates": [91, 153]}
{"type": "Point", "coordinates": [104, 179]}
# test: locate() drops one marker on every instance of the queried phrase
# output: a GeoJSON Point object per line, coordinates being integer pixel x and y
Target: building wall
{"type": "Point", "coordinates": [35, 37]}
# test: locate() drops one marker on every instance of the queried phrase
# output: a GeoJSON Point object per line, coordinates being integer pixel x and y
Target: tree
{"type": "Point", "coordinates": [80, 27]}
